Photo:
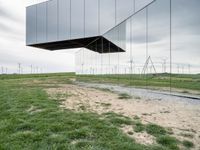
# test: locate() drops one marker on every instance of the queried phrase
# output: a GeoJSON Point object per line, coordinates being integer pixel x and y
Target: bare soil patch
{"type": "Point", "coordinates": [181, 117]}
{"type": "Point", "coordinates": [140, 137]}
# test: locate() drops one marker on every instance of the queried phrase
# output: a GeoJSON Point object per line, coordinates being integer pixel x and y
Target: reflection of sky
{"type": "Point", "coordinates": [185, 36]}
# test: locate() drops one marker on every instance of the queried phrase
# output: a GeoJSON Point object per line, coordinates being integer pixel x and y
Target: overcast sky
{"type": "Point", "coordinates": [14, 51]}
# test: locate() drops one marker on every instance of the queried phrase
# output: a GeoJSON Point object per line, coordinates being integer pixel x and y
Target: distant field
{"type": "Point", "coordinates": [46, 75]}
{"type": "Point", "coordinates": [178, 81]}
{"type": "Point", "coordinates": [184, 82]}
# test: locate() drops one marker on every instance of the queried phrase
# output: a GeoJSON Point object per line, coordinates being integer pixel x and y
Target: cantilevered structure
{"type": "Point", "coordinates": [66, 24]}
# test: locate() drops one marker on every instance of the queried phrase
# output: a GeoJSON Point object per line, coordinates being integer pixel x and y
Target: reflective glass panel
{"type": "Point", "coordinates": [107, 15]}
{"type": "Point", "coordinates": [41, 22]}
{"type": "Point", "coordinates": [77, 19]}
{"type": "Point", "coordinates": [124, 9]}
{"type": "Point", "coordinates": [91, 18]}
{"type": "Point", "coordinates": [31, 25]}
{"type": "Point", "coordinates": [52, 21]}
{"type": "Point", "coordinates": [64, 19]}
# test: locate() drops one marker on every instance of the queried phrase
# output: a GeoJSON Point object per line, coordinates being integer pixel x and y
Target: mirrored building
{"type": "Point", "coordinates": [66, 24]}
{"type": "Point", "coordinates": [142, 42]}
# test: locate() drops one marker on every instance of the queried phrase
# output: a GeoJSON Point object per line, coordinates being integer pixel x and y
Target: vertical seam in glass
{"type": "Point", "coordinates": [115, 12]}
{"type": "Point", "coordinates": [70, 19]}
{"type": "Point", "coordinates": [98, 17]}
{"type": "Point", "coordinates": [58, 19]}
{"type": "Point", "coordinates": [46, 20]}
{"type": "Point", "coordinates": [146, 74]}
{"type": "Point", "coordinates": [36, 23]}
{"type": "Point", "coordinates": [101, 53]}
{"type": "Point", "coordinates": [170, 46]}
{"type": "Point", "coordinates": [118, 55]}
{"type": "Point", "coordinates": [131, 48]}
{"type": "Point", "coordinates": [96, 59]}
{"type": "Point", "coordinates": [109, 56]}
{"type": "Point", "coordinates": [84, 18]}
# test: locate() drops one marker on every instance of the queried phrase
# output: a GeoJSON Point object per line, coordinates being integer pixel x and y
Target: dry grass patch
{"type": "Point", "coordinates": [140, 137]}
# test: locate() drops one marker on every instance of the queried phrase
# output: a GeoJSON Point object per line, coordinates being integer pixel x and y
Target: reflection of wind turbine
{"type": "Point", "coordinates": [178, 68]}
{"type": "Point", "coordinates": [189, 68]}
{"type": "Point", "coordinates": [147, 64]}
{"type": "Point", "coordinates": [164, 68]}
{"type": "Point", "coordinates": [31, 66]}
{"type": "Point", "coordinates": [82, 67]}
{"type": "Point", "coordinates": [19, 68]}
{"type": "Point", "coordinates": [132, 66]}
{"type": "Point", "coordinates": [2, 70]}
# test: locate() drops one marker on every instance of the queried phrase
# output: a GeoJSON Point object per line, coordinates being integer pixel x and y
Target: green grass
{"type": "Point", "coordinates": [117, 119]}
{"type": "Point", "coordinates": [188, 144]}
{"type": "Point", "coordinates": [155, 130]}
{"type": "Point", "coordinates": [29, 119]}
{"type": "Point", "coordinates": [151, 129]}
{"type": "Point", "coordinates": [48, 127]}
{"type": "Point", "coordinates": [45, 75]}
{"type": "Point", "coordinates": [51, 127]}
{"type": "Point", "coordinates": [139, 127]}
{"type": "Point", "coordinates": [161, 134]}
{"type": "Point", "coordinates": [168, 141]}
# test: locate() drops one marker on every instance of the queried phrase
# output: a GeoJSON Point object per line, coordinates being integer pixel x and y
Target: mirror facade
{"type": "Point", "coordinates": [59, 20]}
{"type": "Point", "coordinates": [161, 48]}
{"type": "Point", "coordinates": [160, 45]}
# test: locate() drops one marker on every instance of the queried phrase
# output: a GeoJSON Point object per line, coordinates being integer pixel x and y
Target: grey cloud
{"type": "Point", "coordinates": [6, 14]}
{"type": "Point", "coordinates": [3, 27]}
{"type": "Point", "coordinates": [3, 13]}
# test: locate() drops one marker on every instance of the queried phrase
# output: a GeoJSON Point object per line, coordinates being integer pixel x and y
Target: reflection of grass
{"type": "Point", "coordinates": [188, 82]}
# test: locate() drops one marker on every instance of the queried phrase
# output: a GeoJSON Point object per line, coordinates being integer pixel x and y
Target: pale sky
{"type": "Point", "coordinates": [14, 51]}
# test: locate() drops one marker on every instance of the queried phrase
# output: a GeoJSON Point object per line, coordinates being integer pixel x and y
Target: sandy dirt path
{"type": "Point", "coordinates": [183, 118]}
